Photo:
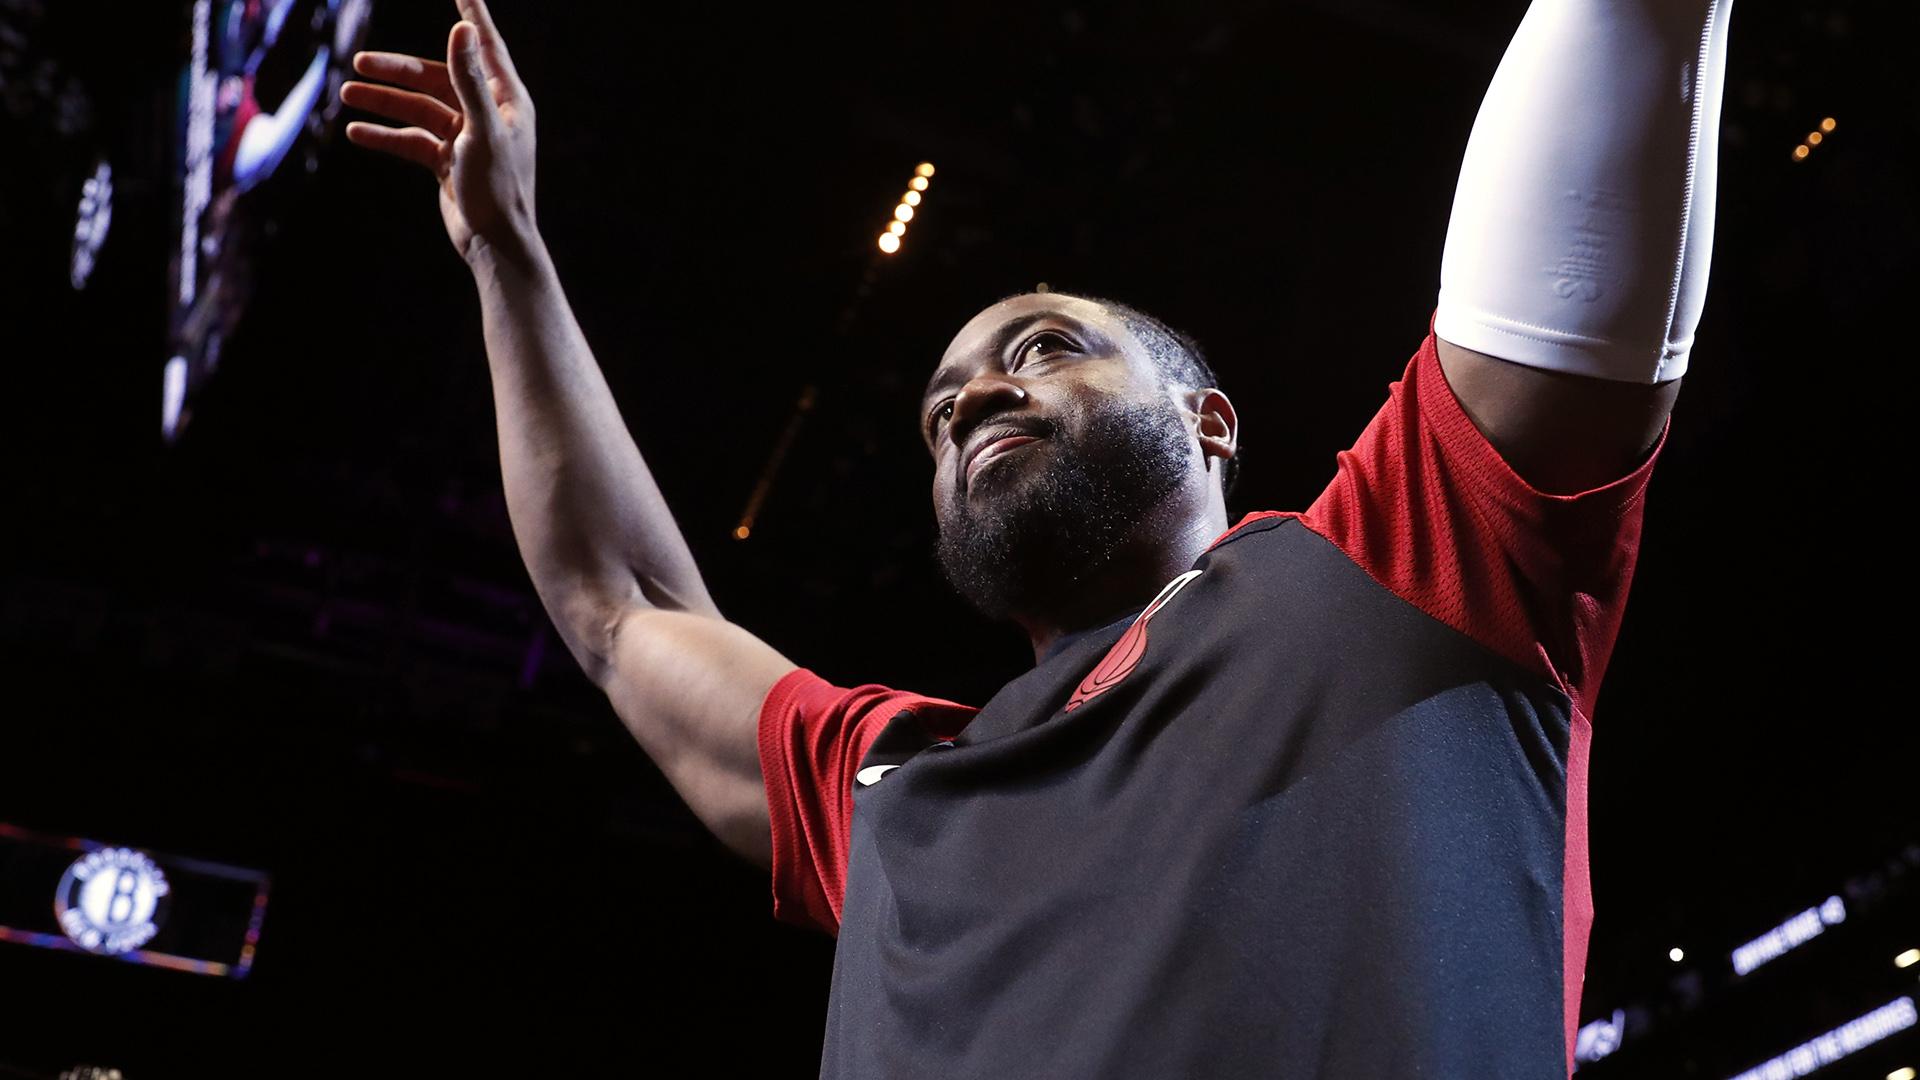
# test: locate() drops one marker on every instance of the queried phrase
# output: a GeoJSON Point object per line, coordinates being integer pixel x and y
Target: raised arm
{"type": "Point", "coordinates": [598, 539]}
{"type": "Point", "coordinates": [1577, 254]}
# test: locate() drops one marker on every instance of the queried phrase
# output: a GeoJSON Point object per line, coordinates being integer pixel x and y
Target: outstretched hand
{"type": "Point", "coordinates": [469, 121]}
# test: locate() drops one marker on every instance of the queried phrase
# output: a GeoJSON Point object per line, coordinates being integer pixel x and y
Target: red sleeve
{"type": "Point", "coordinates": [812, 737]}
{"type": "Point", "coordinates": [1426, 505]}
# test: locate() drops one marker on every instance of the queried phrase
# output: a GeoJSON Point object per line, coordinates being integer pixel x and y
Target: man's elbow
{"type": "Point", "coordinates": [589, 625]}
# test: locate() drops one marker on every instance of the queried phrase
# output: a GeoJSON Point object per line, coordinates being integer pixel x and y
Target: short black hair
{"type": "Point", "coordinates": [1176, 355]}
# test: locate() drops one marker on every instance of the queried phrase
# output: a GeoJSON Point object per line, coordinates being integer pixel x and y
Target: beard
{"type": "Point", "coordinates": [1022, 542]}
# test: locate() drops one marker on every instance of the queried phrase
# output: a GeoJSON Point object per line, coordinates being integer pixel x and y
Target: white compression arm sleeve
{"type": "Point", "coordinates": [1582, 225]}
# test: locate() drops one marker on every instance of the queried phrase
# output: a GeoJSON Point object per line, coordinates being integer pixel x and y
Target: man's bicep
{"type": "Point", "coordinates": [690, 689]}
{"type": "Point", "coordinates": [1561, 433]}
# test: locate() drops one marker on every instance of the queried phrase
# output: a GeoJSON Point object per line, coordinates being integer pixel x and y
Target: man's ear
{"type": "Point", "coordinates": [1214, 422]}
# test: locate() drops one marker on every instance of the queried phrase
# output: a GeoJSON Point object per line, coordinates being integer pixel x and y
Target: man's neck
{"type": "Point", "coordinates": [1129, 580]}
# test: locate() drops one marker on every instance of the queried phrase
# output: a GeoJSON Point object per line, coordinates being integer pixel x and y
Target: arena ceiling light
{"type": "Point", "coordinates": [889, 241]}
{"type": "Point", "coordinates": [1813, 139]}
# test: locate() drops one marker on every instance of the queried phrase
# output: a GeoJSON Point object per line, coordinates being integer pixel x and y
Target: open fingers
{"type": "Point", "coordinates": [427, 76]}
{"type": "Point", "coordinates": [492, 45]}
{"type": "Point", "coordinates": [405, 106]}
{"type": "Point", "coordinates": [417, 145]}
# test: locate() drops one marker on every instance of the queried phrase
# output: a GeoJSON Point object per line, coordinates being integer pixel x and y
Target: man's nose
{"type": "Point", "coordinates": [981, 398]}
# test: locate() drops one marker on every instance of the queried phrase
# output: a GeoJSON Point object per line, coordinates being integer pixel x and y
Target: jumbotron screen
{"type": "Point", "coordinates": [259, 90]}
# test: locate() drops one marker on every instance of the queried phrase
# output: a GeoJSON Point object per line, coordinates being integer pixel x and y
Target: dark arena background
{"type": "Point", "coordinates": [265, 626]}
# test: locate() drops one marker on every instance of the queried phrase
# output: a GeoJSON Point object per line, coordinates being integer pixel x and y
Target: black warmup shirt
{"type": "Point", "coordinates": [1318, 810]}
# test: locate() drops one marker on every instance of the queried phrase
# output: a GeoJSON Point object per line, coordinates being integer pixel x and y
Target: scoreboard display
{"type": "Point", "coordinates": [259, 88]}
{"type": "Point", "coordinates": [146, 167]}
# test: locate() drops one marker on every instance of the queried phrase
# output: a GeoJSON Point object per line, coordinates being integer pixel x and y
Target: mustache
{"type": "Point", "coordinates": [1037, 426]}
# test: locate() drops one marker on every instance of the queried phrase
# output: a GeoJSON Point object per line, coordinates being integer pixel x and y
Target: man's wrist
{"type": "Point", "coordinates": [518, 252]}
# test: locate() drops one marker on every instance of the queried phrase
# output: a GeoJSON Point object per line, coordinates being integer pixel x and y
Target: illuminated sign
{"type": "Point", "coordinates": [1796, 931]}
{"type": "Point", "coordinates": [1891, 1018]}
{"type": "Point", "coordinates": [128, 905]}
{"type": "Point", "coordinates": [111, 901]}
{"type": "Point", "coordinates": [91, 224]}
{"type": "Point", "coordinates": [1599, 1038]}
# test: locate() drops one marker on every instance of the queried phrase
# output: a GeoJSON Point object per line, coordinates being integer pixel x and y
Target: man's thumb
{"type": "Point", "coordinates": [468, 75]}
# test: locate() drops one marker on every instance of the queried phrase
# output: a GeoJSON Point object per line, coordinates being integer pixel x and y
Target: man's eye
{"type": "Point", "coordinates": [942, 411]}
{"type": "Point", "coordinates": [1042, 342]}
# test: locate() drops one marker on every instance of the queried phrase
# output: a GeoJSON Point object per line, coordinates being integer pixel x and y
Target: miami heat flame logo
{"type": "Point", "coordinates": [1126, 653]}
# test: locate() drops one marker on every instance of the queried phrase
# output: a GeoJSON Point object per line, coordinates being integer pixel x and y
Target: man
{"type": "Point", "coordinates": [1300, 797]}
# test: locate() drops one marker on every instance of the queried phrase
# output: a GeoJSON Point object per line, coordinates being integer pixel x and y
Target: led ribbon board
{"type": "Point", "coordinates": [1791, 934]}
{"type": "Point", "coordinates": [1821, 1050]}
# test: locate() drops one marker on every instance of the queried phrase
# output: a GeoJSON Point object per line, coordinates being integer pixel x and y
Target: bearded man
{"type": "Point", "coordinates": [1299, 795]}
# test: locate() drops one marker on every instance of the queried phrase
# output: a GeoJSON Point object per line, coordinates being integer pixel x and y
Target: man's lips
{"type": "Point", "coordinates": [993, 450]}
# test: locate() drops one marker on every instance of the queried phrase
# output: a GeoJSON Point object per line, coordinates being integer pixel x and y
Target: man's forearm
{"type": "Point", "coordinates": [592, 526]}
{"type": "Point", "coordinates": [1582, 226]}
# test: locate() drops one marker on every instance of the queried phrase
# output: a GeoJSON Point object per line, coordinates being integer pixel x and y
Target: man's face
{"type": "Point", "coordinates": [1073, 438]}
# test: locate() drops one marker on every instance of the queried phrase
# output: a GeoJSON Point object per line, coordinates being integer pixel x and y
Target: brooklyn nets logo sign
{"type": "Point", "coordinates": [111, 901]}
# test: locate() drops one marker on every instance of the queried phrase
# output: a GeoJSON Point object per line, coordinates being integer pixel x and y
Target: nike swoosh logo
{"type": "Point", "coordinates": [871, 775]}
